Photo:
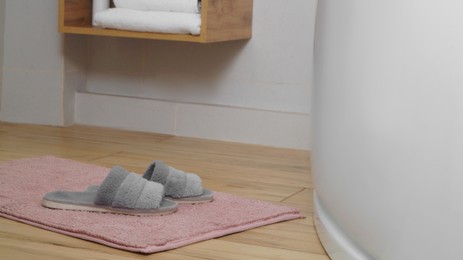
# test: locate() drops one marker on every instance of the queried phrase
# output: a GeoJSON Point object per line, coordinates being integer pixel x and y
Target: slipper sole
{"type": "Point", "coordinates": [151, 212]}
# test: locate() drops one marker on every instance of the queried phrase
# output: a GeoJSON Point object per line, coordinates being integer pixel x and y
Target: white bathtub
{"type": "Point", "coordinates": [388, 129]}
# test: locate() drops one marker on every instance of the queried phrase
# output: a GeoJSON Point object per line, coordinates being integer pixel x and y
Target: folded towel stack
{"type": "Point", "coordinates": [98, 6]}
{"type": "Point", "coordinates": [184, 6]}
{"type": "Point", "coordinates": [161, 16]}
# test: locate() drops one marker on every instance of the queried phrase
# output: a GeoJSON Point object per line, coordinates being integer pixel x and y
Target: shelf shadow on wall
{"type": "Point", "coordinates": [159, 69]}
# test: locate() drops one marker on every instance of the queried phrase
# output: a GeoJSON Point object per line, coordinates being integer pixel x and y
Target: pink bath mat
{"type": "Point", "coordinates": [24, 182]}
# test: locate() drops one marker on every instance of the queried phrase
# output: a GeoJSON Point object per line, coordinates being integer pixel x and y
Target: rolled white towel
{"type": "Point", "coordinates": [186, 6]}
{"type": "Point", "coordinates": [149, 21]}
{"type": "Point", "coordinates": [98, 6]}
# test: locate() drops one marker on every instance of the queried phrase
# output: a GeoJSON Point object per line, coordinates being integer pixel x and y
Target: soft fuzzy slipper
{"type": "Point", "coordinates": [179, 186]}
{"type": "Point", "coordinates": [120, 192]}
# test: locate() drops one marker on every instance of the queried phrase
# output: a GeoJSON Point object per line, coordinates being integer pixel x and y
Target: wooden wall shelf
{"type": "Point", "coordinates": [222, 20]}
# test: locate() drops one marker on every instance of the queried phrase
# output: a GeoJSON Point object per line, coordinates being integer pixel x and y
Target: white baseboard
{"type": "Point", "coordinates": [270, 128]}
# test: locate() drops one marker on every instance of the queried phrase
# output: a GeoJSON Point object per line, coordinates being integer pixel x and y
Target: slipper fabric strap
{"type": "Point", "coordinates": [110, 185]}
{"type": "Point", "coordinates": [157, 172]}
{"type": "Point", "coordinates": [149, 199]}
{"type": "Point", "coordinates": [177, 183]}
{"type": "Point", "coordinates": [194, 185]}
{"type": "Point", "coordinates": [122, 189]}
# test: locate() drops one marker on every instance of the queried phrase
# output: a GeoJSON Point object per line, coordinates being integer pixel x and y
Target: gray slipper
{"type": "Point", "coordinates": [179, 186]}
{"type": "Point", "coordinates": [121, 192]}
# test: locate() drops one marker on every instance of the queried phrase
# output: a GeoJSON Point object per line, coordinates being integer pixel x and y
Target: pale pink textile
{"type": "Point", "coordinates": [23, 183]}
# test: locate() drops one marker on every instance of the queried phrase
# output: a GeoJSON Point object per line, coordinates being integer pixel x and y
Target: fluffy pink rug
{"type": "Point", "coordinates": [24, 182]}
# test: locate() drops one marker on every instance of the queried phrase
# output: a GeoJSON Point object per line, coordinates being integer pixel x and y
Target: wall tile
{"type": "Point", "coordinates": [244, 125]}
{"type": "Point", "coordinates": [124, 113]}
{"type": "Point", "coordinates": [31, 35]}
{"type": "Point", "coordinates": [31, 96]}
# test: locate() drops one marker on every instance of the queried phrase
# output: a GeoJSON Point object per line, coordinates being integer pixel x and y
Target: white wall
{"type": "Point", "coordinates": [32, 63]}
{"type": "Point", "coordinates": [254, 91]}
{"type": "Point", "coordinates": [2, 29]}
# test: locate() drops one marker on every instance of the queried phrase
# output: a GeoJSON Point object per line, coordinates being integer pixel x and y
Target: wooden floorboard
{"type": "Point", "coordinates": [277, 175]}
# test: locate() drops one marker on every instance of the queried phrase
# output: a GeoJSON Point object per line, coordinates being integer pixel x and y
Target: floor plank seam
{"type": "Point", "coordinates": [105, 156]}
{"type": "Point", "coordinates": [294, 194]}
{"type": "Point", "coordinates": [274, 247]}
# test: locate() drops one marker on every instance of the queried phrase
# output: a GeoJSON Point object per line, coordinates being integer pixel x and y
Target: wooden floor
{"type": "Point", "coordinates": [276, 175]}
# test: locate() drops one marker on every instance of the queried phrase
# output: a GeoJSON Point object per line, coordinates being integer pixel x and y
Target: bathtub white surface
{"type": "Point", "coordinates": [388, 125]}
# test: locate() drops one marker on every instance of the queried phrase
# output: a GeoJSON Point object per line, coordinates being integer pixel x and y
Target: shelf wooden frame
{"type": "Point", "coordinates": [222, 20]}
